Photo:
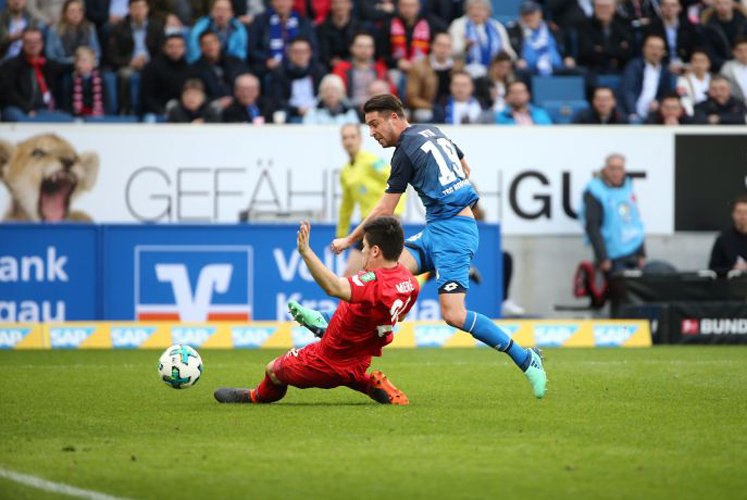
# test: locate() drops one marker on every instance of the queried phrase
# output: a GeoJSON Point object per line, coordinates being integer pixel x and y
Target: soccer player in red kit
{"type": "Point", "coordinates": [373, 301]}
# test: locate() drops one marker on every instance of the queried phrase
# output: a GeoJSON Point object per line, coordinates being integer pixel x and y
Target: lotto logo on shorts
{"type": "Point", "coordinates": [193, 283]}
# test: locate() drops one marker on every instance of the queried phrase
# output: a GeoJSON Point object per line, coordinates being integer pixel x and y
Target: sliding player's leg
{"type": "Point", "coordinates": [377, 386]}
{"type": "Point", "coordinates": [268, 391]}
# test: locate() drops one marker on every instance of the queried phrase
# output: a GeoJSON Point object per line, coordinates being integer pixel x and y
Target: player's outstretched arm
{"type": "Point", "coordinates": [332, 285]}
{"type": "Point", "coordinates": [385, 206]}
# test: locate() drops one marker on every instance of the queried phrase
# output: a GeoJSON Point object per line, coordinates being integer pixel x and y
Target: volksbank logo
{"type": "Point", "coordinates": [193, 336]}
{"type": "Point", "coordinates": [193, 283]}
{"type": "Point", "coordinates": [433, 336]}
{"type": "Point", "coordinates": [69, 337]}
{"type": "Point", "coordinates": [251, 337]}
{"type": "Point", "coordinates": [613, 335]}
{"type": "Point", "coordinates": [130, 337]}
{"type": "Point", "coordinates": [553, 335]}
{"type": "Point", "coordinates": [11, 337]}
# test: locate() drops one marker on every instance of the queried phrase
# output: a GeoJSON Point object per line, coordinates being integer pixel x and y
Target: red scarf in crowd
{"type": "Point", "coordinates": [37, 63]}
{"type": "Point", "coordinates": [79, 106]}
{"type": "Point", "coordinates": [421, 36]}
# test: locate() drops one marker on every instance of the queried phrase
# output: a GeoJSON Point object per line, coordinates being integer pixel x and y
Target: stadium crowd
{"type": "Point", "coordinates": [317, 61]}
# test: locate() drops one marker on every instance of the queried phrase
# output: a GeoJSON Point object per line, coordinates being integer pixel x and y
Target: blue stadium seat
{"type": "Point", "coordinates": [611, 81]}
{"type": "Point", "coordinates": [562, 112]}
{"type": "Point", "coordinates": [45, 118]}
{"type": "Point", "coordinates": [557, 88]}
{"type": "Point", "coordinates": [112, 119]}
{"type": "Point", "coordinates": [506, 10]}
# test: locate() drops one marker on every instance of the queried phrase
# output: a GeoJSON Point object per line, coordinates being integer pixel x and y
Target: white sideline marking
{"type": "Point", "coordinates": [63, 489]}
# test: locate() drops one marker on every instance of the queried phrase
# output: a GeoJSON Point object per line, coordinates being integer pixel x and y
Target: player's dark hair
{"type": "Point", "coordinates": [385, 103]}
{"type": "Point", "coordinates": [387, 234]}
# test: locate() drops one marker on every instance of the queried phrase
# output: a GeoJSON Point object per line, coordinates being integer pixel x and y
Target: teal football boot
{"type": "Point", "coordinates": [313, 320]}
{"type": "Point", "coordinates": [535, 372]}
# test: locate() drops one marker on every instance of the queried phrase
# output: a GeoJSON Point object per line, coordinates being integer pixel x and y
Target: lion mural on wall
{"type": "Point", "coordinates": [45, 175]}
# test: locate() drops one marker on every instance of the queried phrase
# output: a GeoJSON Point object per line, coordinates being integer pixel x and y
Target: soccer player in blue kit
{"type": "Point", "coordinates": [435, 167]}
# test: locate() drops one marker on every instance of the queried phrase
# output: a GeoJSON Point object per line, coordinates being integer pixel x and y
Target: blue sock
{"type": "Point", "coordinates": [484, 330]}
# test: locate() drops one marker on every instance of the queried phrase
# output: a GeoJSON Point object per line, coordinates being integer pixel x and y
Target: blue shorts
{"type": "Point", "coordinates": [448, 247]}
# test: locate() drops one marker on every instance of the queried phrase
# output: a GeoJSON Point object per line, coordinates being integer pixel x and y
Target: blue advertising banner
{"type": "Point", "coordinates": [48, 273]}
{"type": "Point", "coordinates": [192, 273]}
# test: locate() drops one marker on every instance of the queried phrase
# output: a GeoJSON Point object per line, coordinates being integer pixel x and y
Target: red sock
{"type": "Point", "coordinates": [268, 391]}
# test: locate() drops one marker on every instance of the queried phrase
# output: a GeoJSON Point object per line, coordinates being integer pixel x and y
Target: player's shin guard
{"type": "Point", "coordinates": [484, 330]}
{"type": "Point", "coordinates": [268, 391]}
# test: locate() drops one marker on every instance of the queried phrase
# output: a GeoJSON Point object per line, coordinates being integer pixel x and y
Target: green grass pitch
{"type": "Point", "coordinates": [667, 422]}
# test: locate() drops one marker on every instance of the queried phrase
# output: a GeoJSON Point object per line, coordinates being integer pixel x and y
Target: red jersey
{"type": "Point", "coordinates": [362, 327]}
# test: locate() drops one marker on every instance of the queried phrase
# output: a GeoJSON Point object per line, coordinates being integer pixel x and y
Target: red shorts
{"type": "Point", "coordinates": [305, 368]}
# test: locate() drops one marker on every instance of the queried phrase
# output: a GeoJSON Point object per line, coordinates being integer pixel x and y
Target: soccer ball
{"type": "Point", "coordinates": [180, 366]}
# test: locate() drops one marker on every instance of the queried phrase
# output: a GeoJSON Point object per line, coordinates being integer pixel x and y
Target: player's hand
{"type": "Point", "coordinates": [303, 237]}
{"type": "Point", "coordinates": [339, 245]}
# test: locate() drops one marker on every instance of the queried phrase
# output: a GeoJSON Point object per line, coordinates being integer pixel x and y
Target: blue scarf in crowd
{"type": "Point", "coordinates": [280, 35]}
{"type": "Point", "coordinates": [483, 51]}
{"type": "Point", "coordinates": [539, 50]}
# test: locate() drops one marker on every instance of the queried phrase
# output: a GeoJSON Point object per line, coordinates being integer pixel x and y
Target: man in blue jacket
{"type": "Point", "coordinates": [645, 81]}
{"type": "Point", "coordinates": [610, 215]}
{"type": "Point", "coordinates": [518, 110]}
{"type": "Point", "coordinates": [231, 33]}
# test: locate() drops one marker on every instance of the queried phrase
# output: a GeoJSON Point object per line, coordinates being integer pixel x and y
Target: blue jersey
{"type": "Point", "coordinates": [430, 162]}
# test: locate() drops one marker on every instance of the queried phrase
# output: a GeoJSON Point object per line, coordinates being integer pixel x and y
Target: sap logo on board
{"type": "Point", "coordinates": [193, 336]}
{"type": "Point", "coordinates": [613, 335]}
{"type": "Point", "coordinates": [130, 337]}
{"type": "Point", "coordinates": [553, 335]}
{"type": "Point", "coordinates": [251, 337]}
{"type": "Point", "coordinates": [301, 337]}
{"type": "Point", "coordinates": [69, 337]}
{"type": "Point", "coordinates": [11, 337]}
{"type": "Point", "coordinates": [509, 330]}
{"type": "Point", "coordinates": [433, 336]}
{"type": "Point", "coordinates": [193, 283]}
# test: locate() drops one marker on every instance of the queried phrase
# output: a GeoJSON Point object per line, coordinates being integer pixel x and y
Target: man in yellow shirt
{"type": "Point", "coordinates": [363, 180]}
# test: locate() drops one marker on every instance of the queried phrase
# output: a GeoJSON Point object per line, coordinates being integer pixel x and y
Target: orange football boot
{"type": "Point", "coordinates": [381, 390]}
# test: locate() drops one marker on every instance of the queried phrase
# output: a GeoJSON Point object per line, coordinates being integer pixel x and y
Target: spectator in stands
{"type": "Point", "coordinates": [87, 93]}
{"type": "Point", "coordinates": [670, 112]}
{"type": "Point", "coordinates": [730, 248]}
{"type": "Point", "coordinates": [294, 85]}
{"type": "Point", "coordinates": [477, 38]}
{"type": "Point", "coordinates": [461, 107]}
{"type": "Point", "coordinates": [611, 218]}
{"type": "Point", "coordinates": [638, 13]}
{"type": "Point", "coordinates": [164, 76]}
{"type": "Point", "coordinates": [231, 33]}
{"type": "Point", "coordinates": [276, 27]}
{"type": "Point", "coordinates": [248, 106]}
{"type": "Point", "coordinates": [361, 70]}
{"type": "Point", "coordinates": [727, 19]}
{"type": "Point", "coordinates": [14, 19]}
{"type": "Point", "coordinates": [445, 11]}
{"type": "Point", "coordinates": [332, 106]}
{"type": "Point", "coordinates": [681, 36]}
{"type": "Point", "coordinates": [192, 106]}
{"type": "Point", "coordinates": [428, 80]}
{"type": "Point", "coordinates": [375, 12]}
{"type": "Point", "coordinates": [48, 12]}
{"type": "Point", "coordinates": [491, 89]}
{"type": "Point", "coordinates": [537, 44]}
{"type": "Point", "coordinates": [71, 32]}
{"type": "Point", "coordinates": [315, 11]}
{"type": "Point", "coordinates": [603, 110]}
{"type": "Point", "coordinates": [133, 43]}
{"type": "Point", "coordinates": [336, 33]}
{"type": "Point", "coordinates": [736, 70]}
{"type": "Point", "coordinates": [216, 70]}
{"type": "Point", "coordinates": [721, 108]}
{"type": "Point", "coordinates": [605, 42]}
{"type": "Point", "coordinates": [406, 39]}
{"type": "Point", "coordinates": [693, 85]}
{"type": "Point", "coordinates": [248, 10]}
{"type": "Point", "coordinates": [29, 81]}
{"type": "Point", "coordinates": [569, 14]}
{"type": "Point", "coordinates": [518, 110]}
{"type": "Point", "coordinates": [645, 81]}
